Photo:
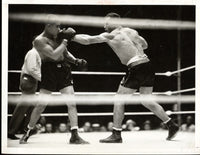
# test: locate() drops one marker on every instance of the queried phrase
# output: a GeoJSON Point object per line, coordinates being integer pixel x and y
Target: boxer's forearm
{"type": "Point", "coordinates": [87, 39]}
{"type": "Point", "coordinates": [69, 57]}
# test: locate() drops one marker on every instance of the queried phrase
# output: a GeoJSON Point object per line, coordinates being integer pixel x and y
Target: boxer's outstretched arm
{"type": "Point", "coordinates": [87, 39]}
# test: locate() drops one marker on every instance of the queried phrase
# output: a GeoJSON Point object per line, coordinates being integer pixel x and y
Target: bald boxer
{"type": "Point", "coordinates": [30, 75]}
{"type": "Point", "coordinates": [129, 46]}
{"type": "Point", "coordinates": [56, 73]}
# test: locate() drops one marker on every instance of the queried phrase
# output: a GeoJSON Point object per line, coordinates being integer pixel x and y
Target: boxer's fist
{"type": "Point", "coordinates": [82, 64]}
{"type": "Point", "coordinates": [66, 34]}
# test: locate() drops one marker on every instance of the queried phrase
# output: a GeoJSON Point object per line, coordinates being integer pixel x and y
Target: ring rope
{"type": "Point", "coordinates": [63, 99]}
{"type": "Point", "coordinates": [113, 93]}
{"type": "Point", "coordinates": [182, 70]}
{"type": "Point", "coordinates": [111, 114]}
{"type": "Point", "coordinates": [183, 91]}
{"type": "Point", "coordinates": [100, 21]}
{"type": "Point", "coordinates": [168, 73]}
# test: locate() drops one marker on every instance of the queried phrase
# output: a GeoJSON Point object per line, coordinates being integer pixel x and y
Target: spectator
{"type": "Point", "coordinates": [40, 126]}
{"type": "Point", "coordinates": [96, 127]}
{"type": "Point", "coordinates": [68, 126]}
{"type": "Point", "coordinates": [103, 129]}
{"type": "Point", "coordinates": [131, 125]}
{"type": "Point", "coordinates": [147, 125]}
{"type": "Point", "coordinates": [189, 125]}
{"type": "Point", "coordinates": [48, 128]}
{"type": "Point", "coordinates": [110, 126]}
{"type": "Point", "coordinates": [124, 127]}
{"type": "Point", "coordinates": [87, 127]}
{"type": "Point", "coordinates": [62, 128]}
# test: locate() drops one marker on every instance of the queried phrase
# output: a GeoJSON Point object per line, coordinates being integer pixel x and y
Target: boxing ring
{"type": "Point", "coordinates": [152, 141]}
{"type": "Point", "coordinates": [134, 142]}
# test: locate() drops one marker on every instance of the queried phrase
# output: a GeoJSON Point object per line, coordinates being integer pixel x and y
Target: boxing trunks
{"type": "Point", "coordinates": [55, 75]}
{"type": "Point", "coordinates": [139, 75]}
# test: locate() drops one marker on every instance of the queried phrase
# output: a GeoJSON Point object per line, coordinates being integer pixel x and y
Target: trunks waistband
{"type": "Point", "coordinates": [145, 60]}
{"type": "Point", "coordinates": [58, 64]}
{"type": "Point", "coordinates": [53, 62]}
{"type": "Point", "coordinates": [136, 58]}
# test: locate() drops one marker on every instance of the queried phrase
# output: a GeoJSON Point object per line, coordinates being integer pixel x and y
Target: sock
{"type": "Point", "coordinates": [117, 129]}
{"type": "Point", "coordinates": [74, 127]}
{"type": "Point", "coordinates": [74, 130]}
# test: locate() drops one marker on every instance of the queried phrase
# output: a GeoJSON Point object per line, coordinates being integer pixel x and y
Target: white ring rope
{"type": "Point", "coordinates": [98, 73]}
{"type": "Point", "coordinates": [182, 70]}
{"type": "Point", "coordinates": [96, 21]}
{"type": "Point", "coordinates": [55, 100]}
{"type": "Point", "coordinates": [113, 93]}
{"type": "Point", "coordinates": [168, 73]}
{"type": "Point", "coordinates": [181, 91]}
{"type": "Point", "coordinates": [111, 114]}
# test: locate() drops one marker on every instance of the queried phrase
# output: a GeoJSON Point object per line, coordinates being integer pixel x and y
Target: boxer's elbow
{"type": "Point", "coordinates": [55, 56]}
{"type": "Point", "coordinates": [145, 46]}
{"type": "Point", "coordinates": [143, 42]}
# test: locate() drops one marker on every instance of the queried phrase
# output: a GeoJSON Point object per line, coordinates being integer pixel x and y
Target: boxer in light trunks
{"type": "Point", "coordinates": [129, 46]}
{"type": "Point", "coordinates": [56, 73]}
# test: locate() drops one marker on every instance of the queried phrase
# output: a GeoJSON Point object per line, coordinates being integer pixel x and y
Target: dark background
{"type": "Point", "coordinates": [162, 50]}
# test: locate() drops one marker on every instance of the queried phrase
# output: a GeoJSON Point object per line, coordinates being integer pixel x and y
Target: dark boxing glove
{"type": "Point", "coordinates": [82, 64]}
{"type": "Point", "coordinates": [66, 34]}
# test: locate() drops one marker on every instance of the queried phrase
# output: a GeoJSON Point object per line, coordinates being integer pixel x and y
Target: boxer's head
{"type": "Point", "coordinates": [52, 26]}
{"type": "Point", "coordinates": [109, 25]}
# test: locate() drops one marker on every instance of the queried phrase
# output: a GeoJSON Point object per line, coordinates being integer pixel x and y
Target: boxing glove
{"type": "Point", "coordinates": [66, 34]}
{"type": "Point", "coordinates": [81, 64]}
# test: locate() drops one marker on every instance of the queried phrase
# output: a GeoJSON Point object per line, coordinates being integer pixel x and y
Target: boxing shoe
{"type": "Point", "coordinates": [25, 137]}
{"type": "Point", "coordinates": [76, 139]}
{"type": "Point", "coordinates": [115, 137]}
{"type": "Point", "coordinates": [13, 137]}
{"type": "Point", "coordinates": [33, 131]}
{"type": "Point", "coordinates": [172, 129]}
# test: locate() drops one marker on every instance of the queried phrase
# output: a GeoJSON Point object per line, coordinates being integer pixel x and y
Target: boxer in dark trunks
{"type": "Point", "coordinates": [129, 46]}
{"type": "Point", "coordinates": [56, 73]}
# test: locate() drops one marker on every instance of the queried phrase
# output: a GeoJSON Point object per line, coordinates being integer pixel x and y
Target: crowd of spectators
{"type": "Point", "coordinates": [188, 125]}
{"type": "Point", "coordinates": [130, 125]}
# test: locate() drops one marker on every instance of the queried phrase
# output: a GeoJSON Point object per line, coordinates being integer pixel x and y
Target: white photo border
{"type": "Point", "coordinates": [5, 3]}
